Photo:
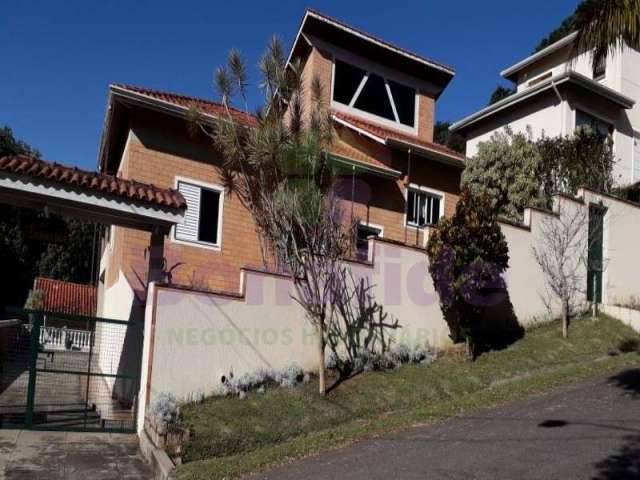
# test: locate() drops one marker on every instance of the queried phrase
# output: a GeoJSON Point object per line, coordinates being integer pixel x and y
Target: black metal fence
{"type": "Point", "coordinates": [66, 372]}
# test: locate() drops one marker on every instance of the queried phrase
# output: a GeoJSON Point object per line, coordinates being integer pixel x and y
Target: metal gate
{"type": "Point", "coordinates": [66, 372]}
{"type": "Point", "coordinates": [595, 257]}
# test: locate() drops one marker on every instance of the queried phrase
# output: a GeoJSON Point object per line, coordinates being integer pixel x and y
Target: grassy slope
{"type": "Point", "coordinates": [232, 436]}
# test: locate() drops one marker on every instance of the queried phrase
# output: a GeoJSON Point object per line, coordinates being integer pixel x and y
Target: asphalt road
{"type": "Point", "coordinates": [586, 431]}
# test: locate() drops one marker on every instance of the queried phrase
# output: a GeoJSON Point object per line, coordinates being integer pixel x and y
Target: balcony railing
{"type": "Point", "coordinates": [55, 338]}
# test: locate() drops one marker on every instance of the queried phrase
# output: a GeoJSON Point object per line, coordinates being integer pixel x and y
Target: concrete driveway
{"type": "Point", "coordinates": [586, 431]}
{"type": "Point", "coordinates": [28, 455]}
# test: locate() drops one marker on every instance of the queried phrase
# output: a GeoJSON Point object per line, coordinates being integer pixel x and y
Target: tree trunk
{"type": "Point", "coordinates": [469, 345]}
{"type": "Point", "coordinates": [322, 376]}
{"type": "Point", "coordinates": [565, 318]}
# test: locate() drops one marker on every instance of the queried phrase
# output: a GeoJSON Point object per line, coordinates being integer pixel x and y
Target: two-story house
{"type": "Point", "coordinates": [382, 99]}
{"type": "Point", "coordinates": [557, 92]}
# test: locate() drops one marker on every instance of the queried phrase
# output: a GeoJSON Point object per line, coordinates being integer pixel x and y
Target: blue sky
{"type": "Point", "coordinates": [58, 58]}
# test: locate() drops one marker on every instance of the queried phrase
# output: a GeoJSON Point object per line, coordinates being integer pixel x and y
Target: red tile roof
{"type": "Point", "coordinates": [386, 134]}
{"type": "Point", "coordinates": [202, 105]}
{"type": "Point", "coordinates": [36, 168]}
{"type": "Point", "coordinates": [67, 297]}
{"type": "Point", "coordinates": [217, 109]}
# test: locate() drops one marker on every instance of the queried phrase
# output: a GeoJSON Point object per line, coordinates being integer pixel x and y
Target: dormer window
{"type": "Point", "coordinates": [373, 94]}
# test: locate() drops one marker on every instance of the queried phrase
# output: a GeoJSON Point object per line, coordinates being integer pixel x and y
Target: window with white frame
{"type": "Point", "coordinates": [203, 218]}
{"type": "Point", "coordinates": [423, 207]}
{"type": "Point", "coordinates": [371, 93]}
{"type": "Point", "coordinates": [362, 238]}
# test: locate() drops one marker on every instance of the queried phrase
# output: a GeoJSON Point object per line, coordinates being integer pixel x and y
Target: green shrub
{"type": "Point", "coordinates": [468, 255]}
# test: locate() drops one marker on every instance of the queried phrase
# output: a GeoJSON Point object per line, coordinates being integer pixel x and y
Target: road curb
{"type": "Point", "coordinates": [162, 466]}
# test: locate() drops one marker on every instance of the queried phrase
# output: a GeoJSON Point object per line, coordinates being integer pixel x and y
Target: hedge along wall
{"type": "Point", "coordinates": [194, 338]}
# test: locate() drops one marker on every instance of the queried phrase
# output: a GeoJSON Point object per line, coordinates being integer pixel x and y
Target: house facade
{"type": "Point", "coordinates": [396, 181]}
{"type": "Point", "coordinates": [557, 92]}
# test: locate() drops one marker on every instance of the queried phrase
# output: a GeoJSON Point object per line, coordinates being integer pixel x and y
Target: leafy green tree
{"type": "Point", "coordinates": [606, 25]}
{"type": "Point", "coordinates": [468, 256]}
{"type": "Point", "coordinates": [566, 27]}
{"type": "Point", "coordinates": [504, 170]}
{"type": "Point", "coordinates": [517, 172]}
{"type": "Point", "coordinates": [568, 163]}
{"type": "Point", "coordinates": [443, 136]}
{"type": "Point", "coordinates": [9, 145]}
{"type": "Point", "coordinates": [33, 244]}
{"type": "Point", "coordinates": [501, 93]}
{"type": "Point", "coordinates": [74, 259]}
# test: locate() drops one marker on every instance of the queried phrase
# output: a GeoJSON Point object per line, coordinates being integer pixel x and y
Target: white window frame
{"type": "Point", "coordinates": [195, 243]}
{"type": "Point", "coordinates": [373, 225]}
{"type": "Point", "coordinates": [422, 189]}
{"type": "Point", "coordinates": [111, 234]}
{"type": "Point", "coordinates": [352, 110]}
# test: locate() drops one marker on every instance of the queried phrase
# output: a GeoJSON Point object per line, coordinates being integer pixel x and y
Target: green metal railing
{"type": "Point", "coordinates": [46, 385]}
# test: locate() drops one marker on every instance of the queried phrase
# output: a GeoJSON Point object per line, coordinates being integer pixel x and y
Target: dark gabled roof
{"type": "Point", "coordinates": [369, 46]}
{"type": "Point", "coordinates": [29, 167]}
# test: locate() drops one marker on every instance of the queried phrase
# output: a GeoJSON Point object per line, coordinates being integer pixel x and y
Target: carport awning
{"type": "Point", "coordinates": [31, 182]}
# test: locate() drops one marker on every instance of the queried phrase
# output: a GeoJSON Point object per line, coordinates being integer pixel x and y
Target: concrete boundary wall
{"type": "Point", "coordinates": [193, 338]}
{"type": "Point", "coordinates": [197, 337]}
{"type": "Point", "coordinates": [628, 316]}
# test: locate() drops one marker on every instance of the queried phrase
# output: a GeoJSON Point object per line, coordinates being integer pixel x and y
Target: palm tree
{"type": "Point", "coordinates": [604, 26]}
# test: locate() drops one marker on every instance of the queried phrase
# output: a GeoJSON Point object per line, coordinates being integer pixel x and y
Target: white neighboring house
{"type": "Point", "coordinates": [557, 92]}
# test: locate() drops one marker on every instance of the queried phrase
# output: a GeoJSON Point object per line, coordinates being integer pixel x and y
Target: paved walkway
{"type": "Point", "coordinates": [587, 431]}
{"type": "Point", "coordinates": [28, 455]}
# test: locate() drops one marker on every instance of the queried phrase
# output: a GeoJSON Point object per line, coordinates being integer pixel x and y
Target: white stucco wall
{"type": "Point", "coordinates": [192, 338]}
{"type": "Point", "coordinates": [627, 316]}
{"type": "Point", "coordinates": [546, 115]}
{"type": "Point", "coordinates": [621, 278]}
{"type": "Point", "coordinates": [118, 346]}
{"type": "Point", "coordinates": [622, 75]}
{"type": "Point", "coordinates": [213, 335]}
{"type": "Point", "coordinates": [532, 300]}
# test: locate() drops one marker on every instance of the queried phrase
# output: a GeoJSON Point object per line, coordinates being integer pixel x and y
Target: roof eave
{"type": "Point", "coordinates": [366, 167]}
{"type": "Point", "coordinates": [510, 72]}
{"type": "Point", "coordinates": [566, 77]}
{"type": "Point", "coordinates": [416, 58]}
{"type": "Point", "coordinates": [432, 154]}
{"type": "Point", "coordinates": [391, 142]}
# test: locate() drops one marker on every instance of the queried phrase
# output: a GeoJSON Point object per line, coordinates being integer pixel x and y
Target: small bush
{"type": "Point", "coordinates": [290, 376]}
{"type": "Point", "coordinates": [165, 408]}
{"type": "Point", "coordinates": [367, 361]}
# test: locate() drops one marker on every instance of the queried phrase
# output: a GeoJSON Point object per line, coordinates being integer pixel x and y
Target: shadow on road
{"type": "Point", "coordinates": [629, 380]}
{"type": "Point", "coordinates": [624, 464]}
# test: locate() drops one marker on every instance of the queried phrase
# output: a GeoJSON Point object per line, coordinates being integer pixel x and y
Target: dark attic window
{"type": "Point", "coordinates": [374, 98]}
{"type": "Point", "coordinates": [405, 100]}
{"type": "Point", "coordinates": [374, 94]}
{"type": "Point", "coordinates": [348, 79]}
